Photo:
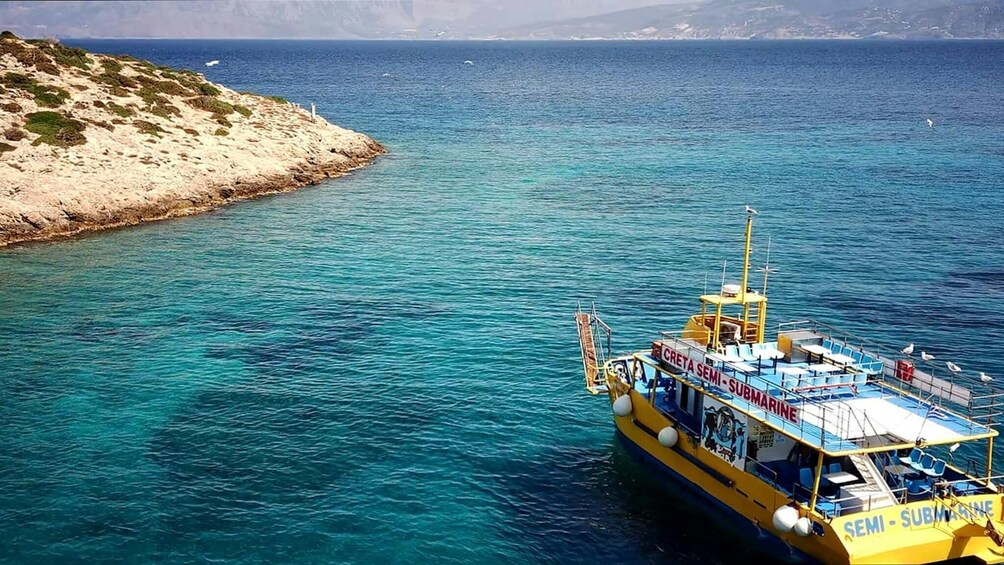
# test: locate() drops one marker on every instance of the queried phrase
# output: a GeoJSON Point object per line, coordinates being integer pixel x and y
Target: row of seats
{"type": "Point", "coordinates": [863, 362]}
{"type": "Point", "coordinates": [745, 353]}
{"type": "Point", "coordinates": [808, 380]}
{"type": "Point", "coordinates": [924, 463]}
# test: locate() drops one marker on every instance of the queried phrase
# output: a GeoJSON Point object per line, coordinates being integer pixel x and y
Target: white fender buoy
{"type": "Point", "coordinates": [803, 527]}
{"type": "Point", "coordinates": [785, 518]}
{"type": "Point", "coordinates": [668, 436]}
{"type": "Point", "coordinates": [622, 406]}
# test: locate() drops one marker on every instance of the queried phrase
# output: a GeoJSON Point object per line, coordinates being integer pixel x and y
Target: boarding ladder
{"type": "Point", "coordinates": [751, 323]}
{"type": "Point", "coordinates": [592, 357]}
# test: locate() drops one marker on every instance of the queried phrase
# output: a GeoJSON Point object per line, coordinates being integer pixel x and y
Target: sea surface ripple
{"type": "Point", "coordinates": [384, 368]}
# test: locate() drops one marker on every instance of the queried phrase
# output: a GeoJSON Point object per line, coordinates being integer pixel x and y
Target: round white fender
{"type": "Point", "coordinates": [803, 527]}
{"type": "Point", "coordinates": [622, 406]}
{"type": "Point", "coordinates": [668, 436]}
{"type": "Point", "coordinates": [785, 518]}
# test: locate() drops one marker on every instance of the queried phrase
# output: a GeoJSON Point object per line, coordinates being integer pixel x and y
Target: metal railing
{"type": "Point", "coordinates": [939, 383]}
{"type": "Point", "coordinates": [822, 407]}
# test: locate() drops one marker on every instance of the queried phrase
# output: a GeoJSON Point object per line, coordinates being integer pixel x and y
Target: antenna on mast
{"type": "Point", "coordinates": [766, 269]}
{"type": "Point", "coordinates": [724, 263]}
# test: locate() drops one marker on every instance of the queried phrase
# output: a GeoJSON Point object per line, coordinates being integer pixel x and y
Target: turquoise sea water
{"type": "Point", "coordinates": [384, 367]}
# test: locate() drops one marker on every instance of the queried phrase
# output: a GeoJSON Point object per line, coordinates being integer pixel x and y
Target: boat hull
{"type": "Point", "coordinates": [738, 525]}
{"type": "Point", "coordinates": [897, 534]}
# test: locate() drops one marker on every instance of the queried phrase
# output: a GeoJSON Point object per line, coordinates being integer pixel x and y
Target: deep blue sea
{"type": "Point", "coordinates": [384, 368]}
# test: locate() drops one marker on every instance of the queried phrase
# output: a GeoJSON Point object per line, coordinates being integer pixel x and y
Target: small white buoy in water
{"type": "Point", "coordinates": [785, 518]}
{"type": "Point", "coordinates": [668, 436]}
{"type": "Point", "coordinates": [622, 406]}
{"type": "Point", "coordinates": [803, 527]}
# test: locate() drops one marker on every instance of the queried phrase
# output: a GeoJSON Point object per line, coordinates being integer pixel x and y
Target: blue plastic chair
{"type": "Point", "coordinates": [914, 457]}
{"type": "Point", "coordinates": [746, 353]}
{"type": "Point", "coordinates": [937, 470]}
{"type": "Point", "coordinates": [828, 344]}
{"type": "Point", "coordinates": [732, 353]}
{"type": "Point", "coordinates": [856, 355]}
{"type": "Point", "coordinates": [926, 462]}
{"type": "Point", "coordinates": [915, 487]}
{"type": "Point", "coordinates": [835, 468]}
{"type": "Point", "coordinates": [827, 507]}
{"type": "Point", "coordinates": [964, 488]}
{"type": "Point", "coordinates": [805, 477]}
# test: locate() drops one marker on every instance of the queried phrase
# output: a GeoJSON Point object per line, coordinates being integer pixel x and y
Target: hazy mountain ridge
{"type": "Point", "coordinates": [727, 19]}
{"type": "Point", "coordinates": [361, 19]}
{"type": "Point", "coordinates": [510, 19]}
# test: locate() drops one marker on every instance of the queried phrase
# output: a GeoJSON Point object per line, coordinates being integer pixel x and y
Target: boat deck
{"type": "Point", "coordinates": [839, 409]}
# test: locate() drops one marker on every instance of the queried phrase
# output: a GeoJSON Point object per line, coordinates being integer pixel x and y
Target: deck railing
{"type": "Point", "coordinates": [835, 419]}
{"type": "Point", "coordinates": [826, 413]}
{"type": "Point", "coordinates": [936, 383]}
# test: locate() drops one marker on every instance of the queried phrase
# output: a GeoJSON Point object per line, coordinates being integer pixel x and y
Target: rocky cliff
{"type": "Point", "coordinates": [90, 141]}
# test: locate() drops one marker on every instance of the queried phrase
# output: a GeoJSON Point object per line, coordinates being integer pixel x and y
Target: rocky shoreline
{"type": "Point", "coordinates": [91, 142]}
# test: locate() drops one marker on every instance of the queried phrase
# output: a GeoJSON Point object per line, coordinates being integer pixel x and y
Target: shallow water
{"type": "Point", "coordinates": [383, 368]}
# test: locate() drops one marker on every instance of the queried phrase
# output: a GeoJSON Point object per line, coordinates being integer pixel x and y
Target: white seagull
{"type": "Point", "coordinates": [953, 367]}
{"type": "Point", "coordinates": [213, 62]}
{"type": "Point", "coordinates": [926, 356]}
{"type": "Point", "coordinates": [440, 34]}
{"type": "Point", "coordinates": [908, 350]}
{"type": "Point", "coordinates": [985, 377]}
{"type": "Point", "coordinates": [930, 123]}
{"type": "Point", "coordinates": [468, 62]}
{"type": "Point", "coordinates": [751, 210]}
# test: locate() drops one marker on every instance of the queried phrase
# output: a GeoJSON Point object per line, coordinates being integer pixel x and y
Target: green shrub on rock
{"type": "Point", "coordinates": [209, 90]}
{"type": "Point", "coordinates": [55, 129]}
{"type": "Point", "coordinates": [148, 128]}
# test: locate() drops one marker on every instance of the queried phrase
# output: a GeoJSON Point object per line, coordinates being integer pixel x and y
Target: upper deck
{"type": "Point", "coordinates": [830, 390]}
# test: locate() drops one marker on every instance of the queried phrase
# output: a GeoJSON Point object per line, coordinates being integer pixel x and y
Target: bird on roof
{"type": "Point", "coordinates": [908, 350]}
{"type": "Point", "coordinates": [985, 377]}
{"type": "Point", "coordinates": [926, 356]}
{"type": "Point", "coordinates": [930, 123]}
{"type": "Point", "coordinates": [953, 367]}
{"type": "Point", "coordinates": [751, 210]}
{"type": "Point", "coordinates": [213, 62]}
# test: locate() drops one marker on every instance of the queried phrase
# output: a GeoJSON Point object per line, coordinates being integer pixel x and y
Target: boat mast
{"type": "Point", "coordinates": [746, 273]}
{"type": "Point", "coordinates": [746, 255]}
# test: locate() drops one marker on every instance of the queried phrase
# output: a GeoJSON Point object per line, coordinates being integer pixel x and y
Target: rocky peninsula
{"type": "Point", "coordinates": [90, 142]}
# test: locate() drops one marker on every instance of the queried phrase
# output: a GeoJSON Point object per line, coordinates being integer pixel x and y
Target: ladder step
{"type": "Point", "coordinates": [588, 349]}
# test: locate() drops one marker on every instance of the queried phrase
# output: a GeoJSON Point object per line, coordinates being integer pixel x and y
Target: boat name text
{"type": "Point", "coordinates": [736, 387]}
{"type": "Point", "coordinates": [922, 516]}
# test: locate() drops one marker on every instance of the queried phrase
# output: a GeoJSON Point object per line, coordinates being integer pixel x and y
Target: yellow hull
{"type": "Point", "coordinates": [920, 532]}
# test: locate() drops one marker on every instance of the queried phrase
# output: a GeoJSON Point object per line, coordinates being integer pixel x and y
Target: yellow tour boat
{"type": "Point", "coordinates": [843, 450]}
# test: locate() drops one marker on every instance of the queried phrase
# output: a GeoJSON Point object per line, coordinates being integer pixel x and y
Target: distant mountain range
{"type": "Point", "coordinates": [509, 19]}
{"type": "Point", "coordinates": [731, 19]}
